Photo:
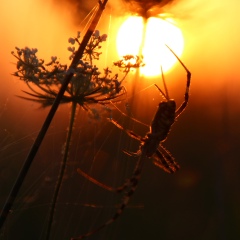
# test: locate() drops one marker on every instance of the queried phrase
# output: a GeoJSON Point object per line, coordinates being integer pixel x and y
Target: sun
{"type": "Point", "coordinates": [148, 38]}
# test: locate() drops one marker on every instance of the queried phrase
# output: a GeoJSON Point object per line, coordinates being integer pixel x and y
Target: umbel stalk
{"type": "Point", "coordinates": [62, 169]}
{"type": "Point", "coordinates": [37, 143]}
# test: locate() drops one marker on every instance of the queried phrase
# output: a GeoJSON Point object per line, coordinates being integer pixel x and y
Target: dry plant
{"type": "Point", "coordinates": [80, 84]}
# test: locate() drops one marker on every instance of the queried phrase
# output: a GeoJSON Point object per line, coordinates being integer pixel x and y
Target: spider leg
{"type": "Point", "coordinates": [126, 115]}
{"type": "Point", "coordinates": [186, 95]}
{"type": "Point", "coordinates": [129, 133]}
{"type": "Point", "coordinates": [93, 180]}
{"type": "Point", "coordinates": [165, 95]}
{"type": "Point", "coordinates": [126, 184]}
{"type": "Point", "coordinates": [102, 185]}
{"type": "Point", "coordinates": [131, 190]}
{"type": "Point", "coordinates": [132, 154]}
{"type": "Point", "coordinates": [163, 159]}
{"type": "Point", "coordinates": [169, 158]}
{"type": "Point", "coordinates": [160, 161]}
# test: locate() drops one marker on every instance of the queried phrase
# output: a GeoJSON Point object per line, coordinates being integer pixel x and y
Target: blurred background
{"type": "Point", "coordinates": [201, 201]}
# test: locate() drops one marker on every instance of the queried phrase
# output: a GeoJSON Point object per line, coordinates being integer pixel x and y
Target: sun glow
{"type": "Point", "coordinates": [138, 37]}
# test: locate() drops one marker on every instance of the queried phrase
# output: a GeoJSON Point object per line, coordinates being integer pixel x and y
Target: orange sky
{"type": "Point", "coordinates": [210, 30]}
{"type": "Point", "coordinates": [197, 140]}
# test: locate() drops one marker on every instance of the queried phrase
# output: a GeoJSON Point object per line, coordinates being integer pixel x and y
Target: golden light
{"type": "Point", "coordinates": [148, 39]}
{"type": "Point", "coordinates": [129, 37]}
{"type": "Point", "coordinates": [36, 25]}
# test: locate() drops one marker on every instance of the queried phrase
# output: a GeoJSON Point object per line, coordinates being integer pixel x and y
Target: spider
{"type": "Point", "coordinates": [150, 147]}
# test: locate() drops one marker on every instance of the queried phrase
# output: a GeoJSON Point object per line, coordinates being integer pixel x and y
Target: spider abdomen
{"type": "Point", "coordinates": [160, 127]}
{"type": "Point", "coordinates": [163, 120]}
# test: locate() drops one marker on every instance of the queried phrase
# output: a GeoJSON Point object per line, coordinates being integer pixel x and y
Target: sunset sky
{"type": "Point", "coordinates": [205, 139]}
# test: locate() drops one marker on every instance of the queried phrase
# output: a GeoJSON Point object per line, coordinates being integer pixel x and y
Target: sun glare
{"type": "Point", "coordinates": [149, 41]}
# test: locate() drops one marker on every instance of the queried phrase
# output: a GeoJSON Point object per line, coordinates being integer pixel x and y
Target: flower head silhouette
{"type": "Point", "coordinates": [87, 86]}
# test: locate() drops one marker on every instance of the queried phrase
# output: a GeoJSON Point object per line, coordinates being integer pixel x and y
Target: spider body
{"type": "Point", "coordinates": [160, 127]}
{"type": "Point", "coordinates": [164, 118]}
{"type": "Point", "coordinates": [150, 147]}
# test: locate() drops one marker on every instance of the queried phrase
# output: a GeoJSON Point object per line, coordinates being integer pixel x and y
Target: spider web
{"type": "Point", "coordinates": [203, 192]}
{"type": "Point", "coordinates": [96, 148]}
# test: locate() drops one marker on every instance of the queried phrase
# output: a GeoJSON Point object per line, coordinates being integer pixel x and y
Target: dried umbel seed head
{"type": "Point", "coordinates": [88, 85]}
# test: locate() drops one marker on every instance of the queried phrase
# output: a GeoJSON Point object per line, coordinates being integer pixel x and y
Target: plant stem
{"type": "Point", "coordinates": [62, 169]}
{"type": "Point", "coordinates": [33, 151]}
